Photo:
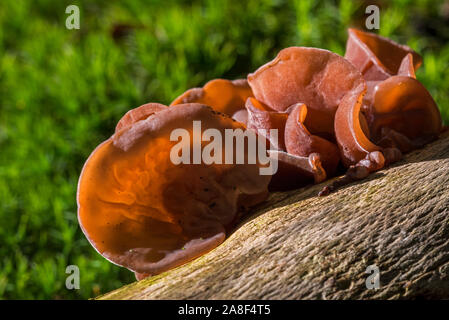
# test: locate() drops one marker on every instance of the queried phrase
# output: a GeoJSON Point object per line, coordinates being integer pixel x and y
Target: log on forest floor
{"type": "Point", "coordinates": [301, 246]}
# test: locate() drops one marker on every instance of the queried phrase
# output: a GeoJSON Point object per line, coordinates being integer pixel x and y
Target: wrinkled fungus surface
{"type": "Point", "coordinates": [398, 109]}
{"type": "Point", "coordinates": [222, 95]}
{"type": "Point", "coordinates": [308, 76]}
{"type": "Point", "coordinates": [375, 56]}
{"type": "Point", "coordinates": [261, 117]}
{"type": "Point", "coordinates": [141, 211]}
{"type": "Point", "coordinates": [357, 113]}
{"type": "Point", "coordinates": [299, 141]}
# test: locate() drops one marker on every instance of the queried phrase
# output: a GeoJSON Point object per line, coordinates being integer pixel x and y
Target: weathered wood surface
{"type": "Point", "coordinates": [301, 246]}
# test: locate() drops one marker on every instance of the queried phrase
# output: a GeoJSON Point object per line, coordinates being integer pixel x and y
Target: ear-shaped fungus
{"type": "Point", "coordinates": [262, 117]}
{"type": "Point", "coordinates": [351, 138]}
{"type": "Point", "coordinates": [316, 77]}
{"type": "Point", "coordinates": [296, 171]}
{"type": "Point", "coordinates": [358, 153]}
{"type": "Point", "coordinates": [222, 95]}
{"type": "Point", "coordinates": [142, 211]}
{"type": "Point", "coordinates": [398, 110]}
{"type": "Point", "coordinates": [377, 57]}
{"type": "Point", "coordinates": [299, 141]}
{"type": "Point", "coordinates": [406, 68]}
{"type": "Point", "coordinates": [139, 113]}
{"type": "Point", "coordinates": [299, 166]}
{"type": "Point", "coordinates": [404, 113]}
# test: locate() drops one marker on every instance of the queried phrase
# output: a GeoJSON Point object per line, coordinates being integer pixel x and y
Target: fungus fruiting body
{"type": "Point", "coordinates": [375, 56]}
{"type": "Point", "coordinates": [260, 117]}
{"type": "Point", "coordinates": [141, 211]}
{"type": "Point", "coordinates": [399, 111]}
{"type": "Point", "coordinates": [306, 75]}
{"type": "Point", "coordinates": [318, 113]}
{"type": "Point", "coordinates": [222, 95]}
{"type": "Point", "coordinates": [299, 141]}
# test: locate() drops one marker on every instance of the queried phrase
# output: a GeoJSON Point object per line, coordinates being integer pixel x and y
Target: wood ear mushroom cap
{"type": "Point", "coordinates": [403, 104]}
{"type": "Point", "coordinates": [296, 171]}
{"type": "Point", "coordinates": [222, 95]}
{"type": "Point", "coordinates": [141, 211]}
{"type": "Point", "coordinates": [352, 141]}
{"type": "Point", "coordinates": [261, 116]}
{"type": "Point", "coordinates": [299, 141]}
{"type": "Point", "coordinates": [139, 113]}
{"type": "Point", "coordinates": [375, 56]}
{"type": "Point", "coordinates": [300, 165]}
{"type": "Point", "coordinates": [316, 77]}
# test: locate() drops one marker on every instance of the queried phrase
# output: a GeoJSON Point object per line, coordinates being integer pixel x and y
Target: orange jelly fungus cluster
{"type": "Point", "coordinates": [361, 112]}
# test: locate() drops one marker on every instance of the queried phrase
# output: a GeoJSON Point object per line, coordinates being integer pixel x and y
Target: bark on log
{"type": "Point", "coordinates": [301, 246]}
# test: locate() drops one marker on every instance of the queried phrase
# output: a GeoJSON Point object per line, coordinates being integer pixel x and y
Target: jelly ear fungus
{"type": "Point", "coordinates": [141, 211]}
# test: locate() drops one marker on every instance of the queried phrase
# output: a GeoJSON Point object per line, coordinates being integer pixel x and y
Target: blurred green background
{"type": "Point", "coordinates": [62, 92]}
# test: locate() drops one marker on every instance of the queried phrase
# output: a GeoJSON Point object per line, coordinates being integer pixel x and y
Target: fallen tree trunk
{"type": "Point", "coordinates": [301, 246]}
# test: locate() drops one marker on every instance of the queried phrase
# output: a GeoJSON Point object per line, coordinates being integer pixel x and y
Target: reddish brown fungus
{"type": "Point", "coordinates": [222, 95]}
{"type": "Point", "coordinates": [316, 77]}
{"type": "Point", "coordinates": [241, 116]}
{"type": "Point", "coordinates": [262, 117]}
{"type": "Point", "coordinates": [375, 56]}
{"type": "Point", "coordinates": [299, 141]}
{"type": "Point", "coordinates": [139, 113]}
{"type": "Point", "coordinates": [353, 143]}
{"type": "Point", "coordinates": [398, 110]}
{"type": "Point", "coordinates": [407, 68]}
{"type": "Point", "coordinates": [404, 105]}
{"type": "Point", "coordinates": [303, 163]}
{"type": "Point", "coordinates": [141, 211]}
{"type": "Point", "coordinates": [296, 171]}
